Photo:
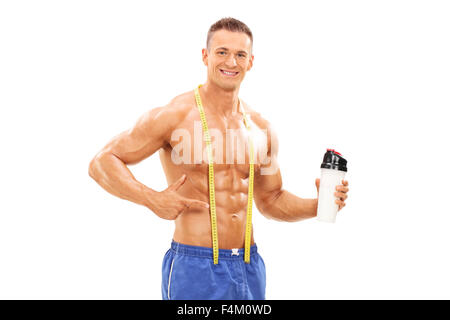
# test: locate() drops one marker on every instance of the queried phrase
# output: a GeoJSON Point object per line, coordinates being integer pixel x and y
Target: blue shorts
{"type": "Point", "coordinates": [189, 273]}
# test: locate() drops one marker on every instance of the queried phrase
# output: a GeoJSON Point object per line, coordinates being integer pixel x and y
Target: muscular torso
{"type": "Point", "coordinates": [231, 170]}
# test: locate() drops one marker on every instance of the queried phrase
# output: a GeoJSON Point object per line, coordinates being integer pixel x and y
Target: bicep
{"type": "Point", "coordinates": [268, 182]}
{"type": "Point", "coordinates": [149, 134]}
{"type": "Point", "coordinates": [267, 188]}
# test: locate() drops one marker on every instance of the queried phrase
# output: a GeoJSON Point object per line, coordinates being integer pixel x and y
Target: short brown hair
{"type": "Point", "coordinates": [229, 24]}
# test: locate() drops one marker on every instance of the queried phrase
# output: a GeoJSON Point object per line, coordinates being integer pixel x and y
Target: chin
{"type": "Point", "coordinates": [228, 85]}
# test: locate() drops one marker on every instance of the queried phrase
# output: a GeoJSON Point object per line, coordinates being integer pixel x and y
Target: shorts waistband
{"type": "Point", "coordinates": [207, 252]}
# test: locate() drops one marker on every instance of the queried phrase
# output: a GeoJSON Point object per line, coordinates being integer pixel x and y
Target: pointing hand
{"type": "Point", "coordinates": [168, 204]}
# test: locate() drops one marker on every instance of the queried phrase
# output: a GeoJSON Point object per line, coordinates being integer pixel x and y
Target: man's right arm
{"type": "Point", "coordinates": [109, 167]}
{"type": "Point", "coordinates": [151, 132]}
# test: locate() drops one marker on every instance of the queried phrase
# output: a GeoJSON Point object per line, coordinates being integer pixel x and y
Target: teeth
{"type": "Point", "coordinates": [229, 73]}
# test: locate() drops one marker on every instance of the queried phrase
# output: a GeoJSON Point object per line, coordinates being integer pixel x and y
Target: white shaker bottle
{"type": "Point", "coordinates": [333, 168]}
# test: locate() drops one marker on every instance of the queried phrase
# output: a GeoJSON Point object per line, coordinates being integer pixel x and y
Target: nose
{"type": "Point", "coordinates": [231, 61]}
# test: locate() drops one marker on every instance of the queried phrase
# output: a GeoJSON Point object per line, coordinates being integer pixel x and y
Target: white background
{"type": "Point", "coordinates": [368, 78]}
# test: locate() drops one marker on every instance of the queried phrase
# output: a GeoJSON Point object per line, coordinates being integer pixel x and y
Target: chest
{"type": "Point", "coordinates": [231, 143]}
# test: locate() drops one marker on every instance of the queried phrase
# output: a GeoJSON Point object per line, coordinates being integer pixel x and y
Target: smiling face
{"type": "Point", "coordinates": [228, 58]}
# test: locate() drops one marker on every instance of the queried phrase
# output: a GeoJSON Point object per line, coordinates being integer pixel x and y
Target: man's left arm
{"type": "Point", "coordinates": [276, 203]}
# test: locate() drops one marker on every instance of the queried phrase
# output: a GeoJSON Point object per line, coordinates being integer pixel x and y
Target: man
{"type": "Point", "coordinates": [209, 202]}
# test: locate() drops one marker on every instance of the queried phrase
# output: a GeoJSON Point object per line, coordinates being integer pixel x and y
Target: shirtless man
{"type": "Point", "coordinates": [189, 271]}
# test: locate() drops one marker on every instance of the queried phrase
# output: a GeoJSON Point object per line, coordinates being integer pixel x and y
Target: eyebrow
{"type": "Point", "coordinates": [226, 49]}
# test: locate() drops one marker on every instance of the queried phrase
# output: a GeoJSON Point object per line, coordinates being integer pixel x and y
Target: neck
{"type": "Point", "coordinates": [222, 101]}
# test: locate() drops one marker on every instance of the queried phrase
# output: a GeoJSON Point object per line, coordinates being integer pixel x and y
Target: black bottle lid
{"type": "Point", "coordinates": [334, 160]}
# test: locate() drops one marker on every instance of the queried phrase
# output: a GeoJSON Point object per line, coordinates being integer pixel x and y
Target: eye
{"type": "Point", "coordinates": [241, 55]}
{"type": "Point", "coordinates": [221, 52]}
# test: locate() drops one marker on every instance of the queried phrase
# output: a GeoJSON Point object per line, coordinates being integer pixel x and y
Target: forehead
{"type": "Point", "coordinates": [234, 41]}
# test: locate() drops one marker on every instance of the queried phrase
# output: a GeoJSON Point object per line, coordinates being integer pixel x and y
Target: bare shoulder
{"type": "Point", "coordinates": [183, 101]}
{"type": "Point", "coordinates": [158, 123]}
{"type": "Point", "coordinates": [168, 117]}
{"type": "Point", "coordinates": [178, 108]}
{"type": "Point", "coordinates": [264, 125]}
{"type": "Point", "coordinates": [256, 117]}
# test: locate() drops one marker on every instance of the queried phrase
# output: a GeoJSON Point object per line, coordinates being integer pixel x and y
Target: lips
{"type": "Point", "coordinates": [229, 73]}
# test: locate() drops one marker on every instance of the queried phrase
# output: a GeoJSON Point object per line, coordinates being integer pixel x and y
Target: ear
{"type": "Point", "coordinates": [250, 63]}
{"type": "Point", "coordinates": [205, 56]}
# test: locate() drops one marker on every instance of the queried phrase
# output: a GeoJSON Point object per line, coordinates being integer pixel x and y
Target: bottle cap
{"type": "Point", "coordinates": [334, 160]}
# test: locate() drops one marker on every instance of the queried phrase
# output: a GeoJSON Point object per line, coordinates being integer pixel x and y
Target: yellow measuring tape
{"type": "Point", "coordinates": [212, 197]}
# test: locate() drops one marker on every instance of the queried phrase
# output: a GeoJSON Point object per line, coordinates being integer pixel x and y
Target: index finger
{"type": "Point", "coordinates": [195, 203]}
{"type": "Point", "coordinates": [345, 182]}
